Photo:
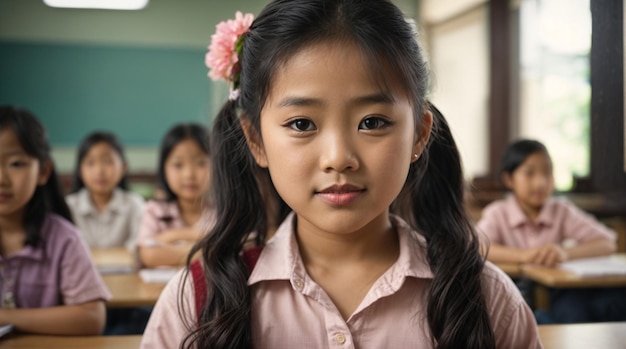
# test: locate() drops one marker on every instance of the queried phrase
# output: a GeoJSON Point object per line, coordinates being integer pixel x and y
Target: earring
{"type": "Point", "coordinates": [415, 156]}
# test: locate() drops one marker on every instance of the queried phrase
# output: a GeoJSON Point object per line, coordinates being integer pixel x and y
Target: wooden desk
{"type": "Point", "coordinates": [584, 336]}
{"type": "Point", "coordinates": [129, 291]}
{"type": "Point", "coordinates": [558, 278]}
{"type": "Point", "coordinates": [511, 269]}
{"type": "Point", "coordinates": [113, 260]}
{"type": "Point", "coordinates": [16, 341]}
{"type": "Point", "coordinates": [120, 276]}
{"type": "Point", "coordinates": [608, 335]}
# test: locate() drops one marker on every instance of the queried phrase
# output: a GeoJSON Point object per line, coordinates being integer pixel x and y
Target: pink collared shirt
{"type": "Point", "coordinates": [504, 223]}
{"type": "Point", "coordinates": [291, 311]}
{"type": "Point", "coordinates": [158, 216]}
{"type": "Point", "coordinates": [59, 271]}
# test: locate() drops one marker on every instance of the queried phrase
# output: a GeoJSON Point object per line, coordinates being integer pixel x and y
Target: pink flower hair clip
{"type": "Point", "coordinates": [223, 56]}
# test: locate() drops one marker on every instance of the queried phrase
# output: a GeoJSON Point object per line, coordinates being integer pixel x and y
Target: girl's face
{"type": "Point", "coordinates": [20, 174]}
{"type": "Point", "coordinates": [188, 170]}
{"type": "Point", "coordinates": [337, 146]}
{"type": "Point", "coordinates": [102, 168]}
{"type": "Point", "coordinates": [532, 182]}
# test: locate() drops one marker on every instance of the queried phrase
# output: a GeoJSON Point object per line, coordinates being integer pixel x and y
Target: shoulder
{"type": "Point", "coordinates": [58, 226]}
{"type": "Point", "coordinates": [497, 207]}
{"type": "Point", "coordinates": [158, 208]}
{"type": "Point", "coordinates": [174, 315]}
{"type": "Point", "coordinates": [131, 198]}
{"type": "Point", "coordinates": [57, 232]}
{"type": "Point", "coordinates": [513, 322]}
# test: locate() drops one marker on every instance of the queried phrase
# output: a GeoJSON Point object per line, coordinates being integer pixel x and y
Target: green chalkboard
{"type": "Point", "coordinates": [136, 92]}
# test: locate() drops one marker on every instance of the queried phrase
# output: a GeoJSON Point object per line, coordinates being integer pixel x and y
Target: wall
{"type": "Point", "coordinates": [133, 72]}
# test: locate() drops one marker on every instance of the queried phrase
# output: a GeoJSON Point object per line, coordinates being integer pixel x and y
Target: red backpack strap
{"type": "Point", "coordinates": [199, 286]}
{"type": "Point", "coordinates": [250, 257]}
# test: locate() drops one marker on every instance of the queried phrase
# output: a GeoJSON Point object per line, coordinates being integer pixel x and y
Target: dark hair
{"type": "Point", "coordinates": [175, 135]}
{"type": "Point", "coordinates": [85, 145]}
{"type": "Point", "coordinates": [516, 153]}
{"type": "Point", "coordinates": [48, 197]}
{"type": "Point", "coordinates": [431, 200]}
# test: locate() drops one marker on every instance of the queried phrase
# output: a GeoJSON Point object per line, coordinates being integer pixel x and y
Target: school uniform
{"type": "Point", "coordinates": [505, 223]}
{"type": "Point", "coordinates": [117, 225]}
{"type": "Point", "coordinates": [158, 216]}
{"type": "Point", "coordinates": [58, 271]}
{"type": "Point", "coordinates": [289, 310]}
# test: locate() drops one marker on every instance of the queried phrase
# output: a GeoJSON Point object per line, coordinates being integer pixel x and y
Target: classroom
{"type": "Point", "coordinates": [124, 121]}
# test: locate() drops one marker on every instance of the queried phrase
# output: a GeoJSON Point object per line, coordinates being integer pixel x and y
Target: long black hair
{"type": "Point", "coordinates": [48, 197]}
{"type": "Point", "coordinates": [85, 145]}
{"type": "Point", "coordinates": [175, 135]}
{"type": "Point", "coordinates": [431, 200]}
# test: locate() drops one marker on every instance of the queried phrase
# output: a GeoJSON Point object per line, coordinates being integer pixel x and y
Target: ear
{"type": "Point", "coordinates": [44, 173]}
{"type": "Point", "coordinates": [254, 142]}
{"type": "Point", "coordinates": [422, 134]}
{"type": "Point", "coordinates": [507, 180]}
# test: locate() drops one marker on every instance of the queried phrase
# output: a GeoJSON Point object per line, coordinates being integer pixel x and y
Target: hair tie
{"type": "Point", "coordinates": [223, 56]}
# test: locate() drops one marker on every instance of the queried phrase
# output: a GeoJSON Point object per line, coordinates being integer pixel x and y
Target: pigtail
{"type": "Point", "coordinates": [457, 312]}
{"type": "Point", "coordinates": [225, 318]}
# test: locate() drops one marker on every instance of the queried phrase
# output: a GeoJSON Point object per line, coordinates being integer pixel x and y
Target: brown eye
{"type": "Point", "coordinates": [372, 123]}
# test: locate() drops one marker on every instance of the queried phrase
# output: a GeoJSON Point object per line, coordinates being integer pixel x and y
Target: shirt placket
{"type": "Point", "coordinates": [7, 275]}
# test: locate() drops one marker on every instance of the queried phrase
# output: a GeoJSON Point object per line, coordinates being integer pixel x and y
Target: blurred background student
{"type": "Point", "coordinates": [104, 209]}
{"type": "Point", "coordinates": [171, 226]}
{"type": "Point", "coordinates": [529, 226]}
{"type": "Point", "coordinates": [49, 285]}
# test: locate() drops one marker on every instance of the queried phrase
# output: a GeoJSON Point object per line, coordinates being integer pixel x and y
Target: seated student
{"type": "Point", "coordinates": [103, 208]}
{"type": "Point", "coordinates": [170, 227]}
{"type": "Point", "coordinates": [48, 283]}
{"type": "Point", "coordinates": [529, 226]}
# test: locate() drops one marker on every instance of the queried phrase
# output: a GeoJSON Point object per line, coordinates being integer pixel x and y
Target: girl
{"type": "Point", "coordinates": [48, 283]}
{"type": "Point", "coordinates": [105, 211]}
{"type": "Point", "coordinates": [170, 227]}
{"type": "Point", "coordinates": [530, 226]}
{"type": "Point", "coordinates": [378, 251]}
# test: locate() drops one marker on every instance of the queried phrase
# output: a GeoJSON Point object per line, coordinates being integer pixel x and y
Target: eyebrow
{"type": "Point", "coordinates": [375, 98]}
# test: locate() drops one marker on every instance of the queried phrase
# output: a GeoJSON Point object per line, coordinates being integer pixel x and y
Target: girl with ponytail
{"type": "Point", "coordinates": [327, 130]}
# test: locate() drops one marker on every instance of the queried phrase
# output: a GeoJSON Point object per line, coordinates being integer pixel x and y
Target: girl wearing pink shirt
{"type": "Point", "coordinates": [531, 227]}
{"type": "Point", "coordinates": [170, 227]}
{"type": "Point", "coordinates": [375, 250]}
{"type": "Point", "coordinates": [48, 283]}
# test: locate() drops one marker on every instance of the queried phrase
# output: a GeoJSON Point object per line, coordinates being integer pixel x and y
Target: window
{"type": "Point", "coordinates": [555, 93]}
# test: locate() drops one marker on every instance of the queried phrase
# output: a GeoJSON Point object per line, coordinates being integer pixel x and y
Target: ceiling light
{"type": "Point", "coordinates": [99, 4]}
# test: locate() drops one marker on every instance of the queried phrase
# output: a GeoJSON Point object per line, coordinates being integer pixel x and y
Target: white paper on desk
{"type": "Point", "coordinates": [157, 275]}
{"type": "Point", "coordinates": [596, 266]}
{"type": "Point", "coordinates": [5, 329]}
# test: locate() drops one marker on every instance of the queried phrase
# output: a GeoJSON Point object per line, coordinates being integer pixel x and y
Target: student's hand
{"type": "Point", "coordinates": [550, 255]}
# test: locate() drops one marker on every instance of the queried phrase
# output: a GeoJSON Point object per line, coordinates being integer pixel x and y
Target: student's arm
{"type": "Point", "coordinates": [83, 319]}
{"type": "Point", "coordinates": [503, 254]}
{"type": "Point", "coordinates": [173, 236]}
{"type": "Point", "coordinates": [598, 247]}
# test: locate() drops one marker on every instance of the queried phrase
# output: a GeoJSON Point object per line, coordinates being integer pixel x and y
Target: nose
{"type": "Point", "coordinates": [4, 179]}
{"type": "Point", "coordinates": [338, 153]}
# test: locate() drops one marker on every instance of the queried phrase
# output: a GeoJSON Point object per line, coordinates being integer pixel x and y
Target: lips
{"type": "Point", "coordinates": [5, 196]}
{"type": "Point", "coordinates": [340, 195]}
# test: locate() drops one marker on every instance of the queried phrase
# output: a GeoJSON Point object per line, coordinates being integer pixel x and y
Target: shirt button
{"type": "Point", "coordinates": [298, 283]}
{"type": "Point", "coordinates": [340, 338]}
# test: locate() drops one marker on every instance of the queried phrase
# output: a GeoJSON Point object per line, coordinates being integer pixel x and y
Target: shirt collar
{"type": "Point", "coordinates": [281, 259]}
{"type": "Point", "coordinates": [517, 217]}
{"type": "Point", "coordinates": [86, 207]}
